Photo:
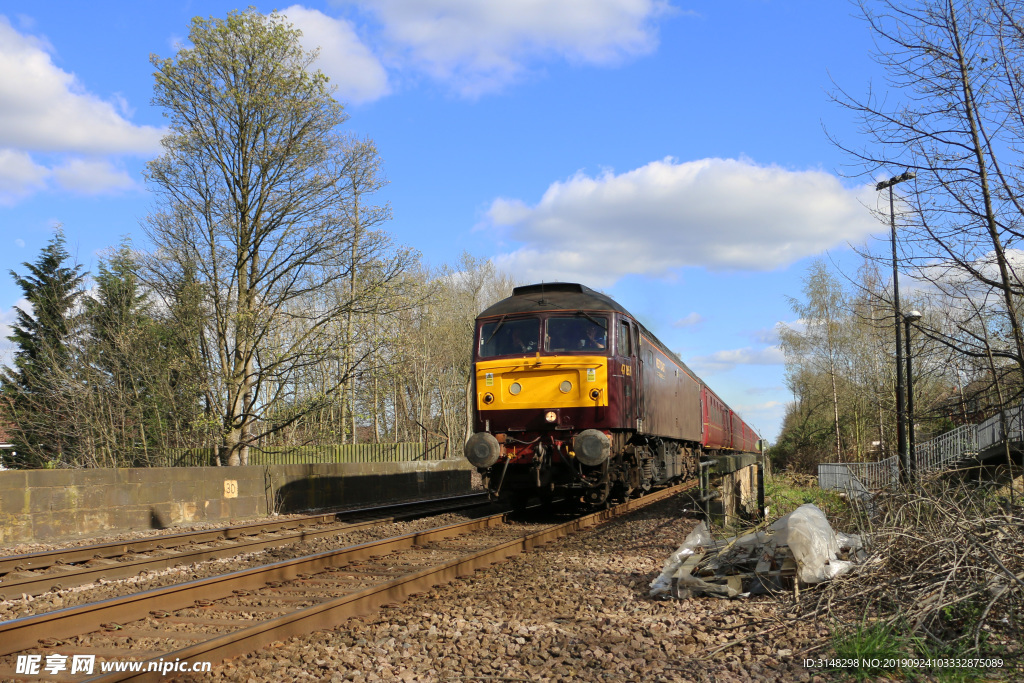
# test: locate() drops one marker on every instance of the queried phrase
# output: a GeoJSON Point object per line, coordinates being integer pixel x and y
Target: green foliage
{"type": "Point", "coordinates": [264, 211]}
{"type": "Point", "coordinates": [867, 642]}
{"type": "Point", "coordinates": [787, 492]}
{"type": "Point", "coordinates": [144, 380]}
{"type": "Point", "coordinates": [840, 366]}
{"type": "Point", "coordinates": [805, 441]}
{"type": "Point", "coordinates": [876, 641]}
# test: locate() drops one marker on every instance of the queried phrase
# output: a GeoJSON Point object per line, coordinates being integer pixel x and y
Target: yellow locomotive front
{"type": "Point", "coordinates": [543, 413]}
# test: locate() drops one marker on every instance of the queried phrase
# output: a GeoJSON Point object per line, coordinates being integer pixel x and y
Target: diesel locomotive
{"type": "Point", "coordinates": [573, 396]}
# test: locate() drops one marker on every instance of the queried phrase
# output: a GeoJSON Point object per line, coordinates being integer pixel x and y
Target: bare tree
{"type": "Point", "coordinates": [823, 315]}
{"type": "Point", "coordinates": [255, 193]}
{"type": "Point", "coordinates": [953, 115]}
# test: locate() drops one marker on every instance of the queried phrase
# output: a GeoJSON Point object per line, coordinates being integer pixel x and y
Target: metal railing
{"type": "Point", "coordinates": [938, 453]}
{"type": "Point", "coordinates": [838, 477]}
{"type": "Point", "coordinates": [935, 454]}
{"type": "Point", "coordinates": [990, 432]}
{"type": "Point", "coordinates": [929, 456]}
{"type": "Point", "coordinates": [858, 478]}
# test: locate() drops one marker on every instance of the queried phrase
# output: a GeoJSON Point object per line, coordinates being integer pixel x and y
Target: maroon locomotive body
{"type": "Point", "coordinates": [573, 395]}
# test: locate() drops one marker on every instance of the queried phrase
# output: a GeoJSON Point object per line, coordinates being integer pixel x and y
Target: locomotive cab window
{"type": "Point", "coordinates": [508, 337]}
{"type": "Point", "coordinates": [582, 332]}
{"type": "Point", "coordinates": [624, 346]}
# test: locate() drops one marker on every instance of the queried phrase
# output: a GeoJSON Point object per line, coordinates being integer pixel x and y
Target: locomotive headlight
{"type": "Point", "coordinates": [595, 394]}
{"type": "Point", "coordinates": [551, 416]}
{"type": "Point", "coordinates": [565, 387]}
{"type": "Point", "coordinates": [515, 388]}
{"type": "Point", "coordinates": [488, 398]}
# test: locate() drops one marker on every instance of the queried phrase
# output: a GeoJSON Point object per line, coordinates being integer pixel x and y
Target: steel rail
{"type": "Point", "coordinates": [28, 632]}
{"type": "Point", "coordinates": [327, 614]}
{"type": "Point", "coordinates": [13, 585]}
{"type": "Point", "coordinates": [49, 558]}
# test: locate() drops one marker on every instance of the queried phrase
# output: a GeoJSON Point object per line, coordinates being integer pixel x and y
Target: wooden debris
{"type": "Point", "coordinates": [727, 570]}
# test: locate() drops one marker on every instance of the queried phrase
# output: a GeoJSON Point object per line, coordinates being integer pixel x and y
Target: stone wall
{"type": "Point", "coordinates": [736, 482]}
{"type": "Point", "coordinates": [42, 505]}
{"type": "Point", "coordinates": [739, 496]}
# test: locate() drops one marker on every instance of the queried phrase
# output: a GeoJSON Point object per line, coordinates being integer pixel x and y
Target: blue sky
{"type": "Point", "coordinates": [670, 153]}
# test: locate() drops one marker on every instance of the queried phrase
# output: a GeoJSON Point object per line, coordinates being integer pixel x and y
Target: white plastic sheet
{"type": "Point", "coordinates": [699, 537]}
{"type": "Point", "coordinates": [814, 545]}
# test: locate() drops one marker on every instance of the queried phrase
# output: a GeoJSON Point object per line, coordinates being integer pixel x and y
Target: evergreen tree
{"type": "Point", "coordinates": [33, 387]}
{"type": "Point", "coordinates": [144, 378]}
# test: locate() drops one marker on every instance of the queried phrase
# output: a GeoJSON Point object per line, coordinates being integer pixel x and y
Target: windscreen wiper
{"type": "Point", "coordinates": [501, 321]}
{"type": "Point", "coordinates": [593, 320]}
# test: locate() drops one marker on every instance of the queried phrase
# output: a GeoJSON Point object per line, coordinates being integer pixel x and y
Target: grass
{"type": "Point", "coordinates": [868, 643]}
{"type": "Point", "coordinates": [875, 645]}
{"type": "Point", "coordinates": [785, 493]}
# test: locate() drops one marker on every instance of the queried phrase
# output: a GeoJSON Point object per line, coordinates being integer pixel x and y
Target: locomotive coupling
{"type": "Point", "coordinates": [483, 450]}
{"type": "Point", "coordinates": [592, 447]}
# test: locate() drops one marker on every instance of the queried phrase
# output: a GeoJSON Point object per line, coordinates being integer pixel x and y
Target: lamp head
{"type": "Point", "coordinates": [906, 175]}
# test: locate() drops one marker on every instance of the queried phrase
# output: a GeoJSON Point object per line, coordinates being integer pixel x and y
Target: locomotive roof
{"type": "Point", "coordinates": [571, 296]}
{"type": "Point", "coordinates": [553, 296]}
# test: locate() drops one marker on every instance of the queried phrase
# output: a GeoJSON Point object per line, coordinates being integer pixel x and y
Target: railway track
{"type": "Point", "coordinates": [225, 616]}
{"type": "Point", "coordinates": [37, 573]}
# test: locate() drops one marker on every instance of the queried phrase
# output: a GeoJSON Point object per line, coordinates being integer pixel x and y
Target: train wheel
{"type": "Point", "coordinates": [599, 495]}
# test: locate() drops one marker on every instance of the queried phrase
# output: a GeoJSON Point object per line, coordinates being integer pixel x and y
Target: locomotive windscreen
{"type": "Point", "coordinates": [579, 333]}
{"type": "Point", "coordinates": [506, 337]}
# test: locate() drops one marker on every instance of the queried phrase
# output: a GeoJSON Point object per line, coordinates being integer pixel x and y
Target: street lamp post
{"type": "Point", "coordinates": [901, 438]}
{"type": "Point", "coordinates": [911, 317]}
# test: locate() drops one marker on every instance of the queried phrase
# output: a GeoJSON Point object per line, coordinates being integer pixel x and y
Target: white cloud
{"type": "Point", "coordinates": [344, 58]}
{"type": "Point", "coordinates": [43, 108]}
{"type": "Point", "coordinates": [951, 274]}
{"type": "Point", "coordinates": [767, 406]}
{"type": "Point", "coordinates": [19, 176]}
{"type": "Point", "coordinates": [19, 242]}
{"type": "Point", "coordinates": [481, 46]}
{"type": "Point", "coordinates": [721, 361]}
{"type": "Point", "coordinates": [770, 335]}
{"type": "Point", "coordinates": [722, 214]}
{"type": "Point", "coordinates": [93, 177]}
{"type": "Point", "coordinates": [689, 321]}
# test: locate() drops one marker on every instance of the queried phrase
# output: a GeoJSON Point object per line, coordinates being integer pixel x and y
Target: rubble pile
{"type": "Point", "coordinates": [798, 549]}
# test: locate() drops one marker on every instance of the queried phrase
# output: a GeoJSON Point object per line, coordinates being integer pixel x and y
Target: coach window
{"type": "Point", "coordinates": [624, 345]}
{"type": "Point", "coordinates": [582, 332]}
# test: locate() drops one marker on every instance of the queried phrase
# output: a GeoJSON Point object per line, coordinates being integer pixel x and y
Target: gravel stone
{"type": "Point", "coordinates": [574, 610]}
